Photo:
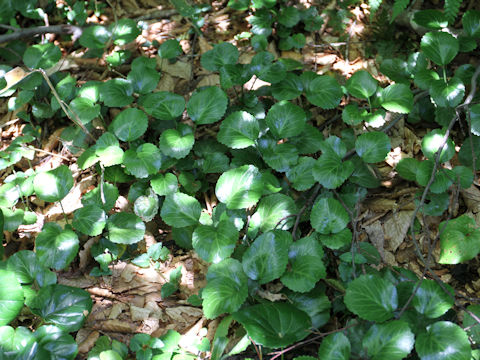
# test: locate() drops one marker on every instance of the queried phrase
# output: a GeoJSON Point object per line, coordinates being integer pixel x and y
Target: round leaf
{"type": "Point", "coordinates": [94, 197]}
{"type": "Point", "coordinates": [89, 220]}
{"type": "Point", "coordinates": [215, 243]}
{"type": "Point", "coordinates": [471, 323]}
{"type": "Point", "coordinates": [306, 265]}
{"type": "Point", "coordinates": [447, 95]}
{"type": "Point", "coordinates": [330, 171]}
{"type": "Point", "coordinates": [116, 93]}
{"type": "Point", "coordinates": [164, 184]}
{"type": "Point", "coordinates": [207, 105]}
{"type": "Point", "coordinates": [430, 299]}
{"type": "Point", "coordinates": [55, 342]}
{"type": "Point", "coordinates": [397, 98]}
{"type": "Point", "coordinates": [431, 143]}
{"type": "Point", "coordinates": [335, 346]}
{"type": "Point", "coordinates": [130, 124]}
{"type": "Point", "coordinates": [221, 54]}
{"type": "Point", "coordinates": [440, 47]}
{"type": "Point", "coordinates": [176, 145]}
{"type": "Point", "coordinates": [325, 92]}
{"type": "Point", "coordinates": [239, 130]}
{"type": "Point", "coordinates": [288, 89]}
{"type": "Point", "coordinates": [180, 210]}
{"type": "Point", "coordinates": [431, 19]}
{"type": "Point", "coordinates": [53, 185]}
{"type": "Point", "coordinates": [393, 340]}
{"type": "Point", "coordinates": [373, 147]}
{"type": "Point", "coordinates": [266, 259]}
{"type": "Point", "coordinates": [125, 228]}
{"type": "Point", "coordinates": [285, 119]}
{"type": "Point", "coordinates": [459, 240]}
{"type": "Point", "coordinates": [338, 240]}
{"type": "Point", "coordinates": [85, 109]}
{"type": "Point", "coordinates": [443, 340]}
{"type": "Point", "coordinates": [475, 119]}
{"type": "Point", "coordinates": [42, 56]}
{"type": "Point", "coordinates": [226, 288]}
{"type": "Point", "coordinates": [274, 212]}
{"type": "Point", "coordinates": [362, 85]}
{"type": "Point", "coordinates": [240, 188]}
{"type": "Point", "coordinates": [163, 105]}
{"type": "Point", "coordinates": [145, 161]}
{"type": "Point", "coordinates": [146, 207]}
{"type": "Point", "coordinates": [372, 298]}
{"type": "Point", "coordinates": [11, 297]}
{"type": "Point", "coordinates": [65, 306]}
{"type": "Point", "coordinates": [328, 216]}
{"type": "Point", "coordinates": [274, 325]}
{"type": "Point", "coordinates": [301, 176]}
{"type": "Point", "coordinates": [56, 247]}
{"type": "Point", "coordinates": [471, 23]}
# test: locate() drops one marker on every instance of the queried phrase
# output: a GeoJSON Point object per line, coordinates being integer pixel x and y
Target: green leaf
{"type": "Point", "coordinates": [397, 98]}
{"type": "Point", "coordinates": [85, 109]}
{"type": "Point", "coordinates": [146, 206]}
{"type": "Point", "coordinates": [53, 185]}
{"type": "Point", "coordinates": [407, 168]}
{"type": "Point", "coordinates": [116, 92]}
{"type": "Point", "coordinates": [463, 175]}
{"type": "Point", "coordinates": [266, 259]}
{"type": "Point", "coordinates": [431, 19]}
{"type": "Point", "coordinates": [280, 157]}
{"type": "Point", "coordinates": [306, 265]}
{"type": "Point", "coordinates": [221, 55]}
{"type": "Point", "coordinates": [335, 346]}
{"type": "Point", "coordinates": [27, 268]}
{"type": "Point", "coordinates": [330, 171]}
{"type": "Point", "coordinates": [94, 197]}
{"type": "Point", "coordinates": [164, 184]}
{"type": "Point", "coordinates": [447, 95]}
{"type": "Point", "coordinates": [338, 240]}
{"type": "Point", "coordinates": [239, 130]}
{"type": "Point", "coordinates": [95, 37]}
{"type": "Point", "coordinates": [431, 144]}
{"type": "Point", "coordinates": [289, 16]}
{"type": "Point", "coordinates": [11, 297]}
{"type": "Point", "coordinates": [328, 216]}
{"type": "Point", "coordinates": [274, 325]}
{"type": "Point", "coordinates": [125, 228]}
{"type": "Point", "coordinates": [287, 89]}
{"type": "Point", "coordinates": [207, 105]}
{"type": "Point", "coordinates": [56, 247]}
{"type": "Point", "coordinates": [65, 306]}
{"type": "Point", "coordinates": [459, 240]}
{"type": "Point", "coordinates": [12, 219]}
{"type": "Point", "coordinates": [145, 161]}
{"type": "Point", "coordinates": [240, 188]}
{"type": "Point", "coordinates": [440, 47]}
{"type": "Point", "coordinates": [143, 78]}
{"type": "Point", "coordinates": [42, 56]}
{"type": "Point", "coordinates": [398, 7]}
{"type": "Point", "coordinates": [170, 49]}
{"type": "Point", "coordinates": [373, 146]}
{"type": "Point", "coordinates": [163, 105]}
{"type": "Point", "coordinates": [19, 343]}
{"type": "Point", "coordinates": [443, 340]}
{"type": "Point", "coordinates": [301, 175]}
{"type": "Point", "coordinates": [89, 220]}
{"type": "Point", "coordinates": [285, 119]}
{"type": "Point", "coordinates": [325, 92]}
{"type": "Point", "coordinates": [124, 31]}
{"type": "Point", "coordinates": [471, 323]}
{"type": "Point", "coordinates": [475, 119]}
{"type": "Point", "coordinates": [430, 299]}
{"type": "Point", "coordinates": [215, 243]}
{"type": "Point", "coordinates": [275, 211]}
{"type": "Point", "coordinates": [393, 340]}
{"type": "Point", "coordinates": [108, 150]}
{"type": "Point", "coordinates": [177, 143]}
{"type": "Point", "coordinates": [129, 125]}
{"type": "Point", "coordinates": [180, 210]}
{"type": "Point", "coordinates": [471, 23]}
{"type": "Point", "coordinates": [226, 288]}
{"type": "Point", "coordinates": [371, 298]}
{"type": "Point", "coordinates": [362, 85]}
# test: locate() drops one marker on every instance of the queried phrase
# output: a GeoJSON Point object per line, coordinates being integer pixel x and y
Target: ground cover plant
{"type": "Point", "coordinates": [190, 198]}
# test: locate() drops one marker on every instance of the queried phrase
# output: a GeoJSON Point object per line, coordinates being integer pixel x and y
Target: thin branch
{"type": "Point", "coordinates": [76, 31]}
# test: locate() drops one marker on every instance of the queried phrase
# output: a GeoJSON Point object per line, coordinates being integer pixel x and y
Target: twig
{"type": "Point", "coordinates": [48, 152]}
{"type": "Point", "coordinates": [76, 31]}
{"type": "Point", "coordinates": [302, 210]}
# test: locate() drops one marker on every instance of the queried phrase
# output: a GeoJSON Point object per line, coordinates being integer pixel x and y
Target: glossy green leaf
{"type": "Point", "coordinates": [116, 92]}
{"type": "Point", "coordinates": [94, 197]}
{"type": "Point", "coordinates": [11, 297]}
{"type": "Point", "coordinates": [163, 105]}
{"type": "Point", "coordinates": [371, 298]}
{"type": "Point", "coordinates": [338, 240]}
{"type": "Point", "coordinates": [285, 119]}
{"type": "Point", "coordinates": [108, 150]}
{"type": "Point", "coordinates": [274, 325]}
{"type": "Point", "coordinates": [306, 265]}
{"type": "Point", "coordinates": [85, 109]}
{"type": "Point", "coordinates": [335, 346]}
{"type": "Point", "coordinates": [431, 300]}
{"type": "Point", "coordinates": [17, 343]}
{"type": "Point", "coordinates": [407, 168]}
{"type": "Point", "coordinates": [266, 259]}
{"type": "Point", "coordinates": [324, 91]}
{"type": "Point", "coordinates": [280, 157]}
{"type": "Point", "coordinates": [164, 184]}
{"type": "Point", "coordinates": [275, 211]}
{"type": "Point", "coordinates": [42, 56]}
{"type": "Point", "coordinates": [287, 89]}
{"type": "Point", "coordinates": [330, 171]}
{"type": "Point", "coordinates": [177, 143]}
{"type": "Point", "coordinates": [124, 31]}
{"type": "Point", "coordinates": [447, 95]}
{"type": "Point", "coordinates": [89, 220]}
{"type": "Point", "coordinates": [125, 228]}
{"type": "Point", "coordinates": [361, 84]}
{"type": "Point", "coordinates": [27, 268]}
{"type": "Point", "coordinates": [431, 144]}
{"type": "Point", "coordinates": [431, 19]}
{"type": "Point", "coordinates": [145, 161]}
{"type": "Point", "coordinates": [12, 219]}
{"type": "Point", "coordinates": [239, 130]}
{"type": "Point", "coordinates": [146, 206]}
{"type": "Point", "coordinates": [475, 119]}
{"type": "Point", "coordinates": [459, 240]}
{"type": "Point", "coordinates": [144, 79]}
{"type": "Point", "coordinates": [352, 115]}
{"type": "Point", "coordinates": [53, 185]}
{"type": "Point", "coordinates": [397, 98]}
{"type": "Point", "coordinates": [443, 340]}
{"type": "Point", "coordinates": [215, 243]}
{"type": "Point", "coordinates": [55, 343]}
{"type": "Point", "coordinates": [207, 105]}
{"type": "Point", "coordinates": [440, 47]}
{"type": "Point", "coordinates": [373, 146]}
{"type": "Point", "coordinates": [301, 175]}
{"type": "Point", "coordinates": [472, 324]}
{"type": "Point", "coordinates": [328, 216]}
{"type": "Point", "coordinates": [221, 54]}
{"type": "Point", "coordinates": [289, 16]}
{"type": "Point", "coordinates": [226, 288]}
{"type": "Point", "coordinates": [170, 49]}
{"type": "Point", "coordinates": [463, 175]}
{"type": "Point", "coordinates": [130, 124]}
{"type": "Point", "coordinates": [65, 306]}
{"type": "Point", "coordinates": [240, 188]}
{"type": "Point", "coordinates": [393, 340]}
{"type": "Point", "coordinates": [180, 210]}
{"type": "Point", "coordinates": [56, 247]}
{"type": "Point", "coordinates": [471, 23]}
